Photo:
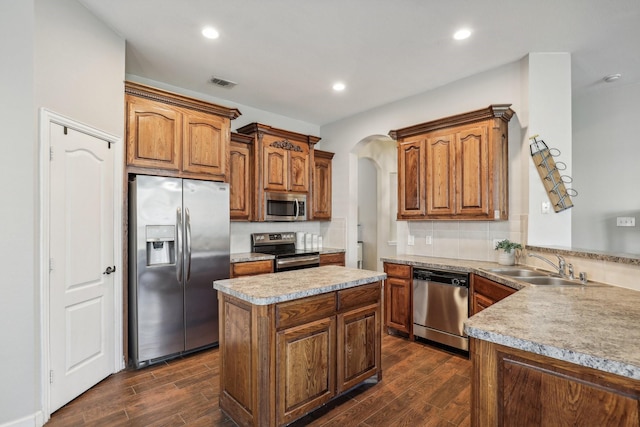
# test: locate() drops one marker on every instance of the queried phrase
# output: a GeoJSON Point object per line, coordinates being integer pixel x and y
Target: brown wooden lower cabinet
{"type": "Point", "coordinates": [250, 268]}
{"type": "Point", "coordinates": [332, 259]}
{"type": "Point", "coordinates": [280, 361]}
{"type": "Point", "coordinates": [485, 292]}
{"type": "Point", "coordinates": [398, 298]}
{"type": "Point", "coordinates": [512, 387]}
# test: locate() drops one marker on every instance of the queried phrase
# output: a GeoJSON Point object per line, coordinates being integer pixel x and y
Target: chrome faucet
{"type": "Point", "coordinates": [560, 267]}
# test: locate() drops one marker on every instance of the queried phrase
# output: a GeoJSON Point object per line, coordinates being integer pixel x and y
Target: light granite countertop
{"type": "Point", "coordinates": [249, 256]}
{"type": "Point", "coordinates": [593, 326]}
{"type": "Point", "coordinates": [265, 289]}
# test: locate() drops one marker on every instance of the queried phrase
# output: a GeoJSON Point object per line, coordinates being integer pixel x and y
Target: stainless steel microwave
{"type": "Point", "coordinates": [285, 207]}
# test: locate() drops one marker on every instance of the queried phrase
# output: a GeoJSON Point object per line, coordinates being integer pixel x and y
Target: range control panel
{"type": "Point", "coordinates": [273, 238]}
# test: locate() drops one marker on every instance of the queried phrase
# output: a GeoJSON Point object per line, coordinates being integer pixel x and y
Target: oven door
{"type": "Point", "coordinates": [297, 262]}
{"type": "Point", "coordinates": [285, 207]}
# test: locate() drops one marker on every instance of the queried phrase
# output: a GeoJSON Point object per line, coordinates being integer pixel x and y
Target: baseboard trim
{"type": "Point", "coordinates": [33, 420]}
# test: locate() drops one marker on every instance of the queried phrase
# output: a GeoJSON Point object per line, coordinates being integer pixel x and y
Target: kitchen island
{"type": "Point", "coordinates": [292, 341]}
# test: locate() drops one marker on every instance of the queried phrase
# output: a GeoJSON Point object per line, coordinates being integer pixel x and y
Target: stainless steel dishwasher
{"type": "Point", "coordinates": [440, 306]}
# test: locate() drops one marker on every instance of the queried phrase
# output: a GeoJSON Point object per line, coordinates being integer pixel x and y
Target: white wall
{"type": "Point", "coordinates": [549, 86]}
{"type": "Point", "coordinates": [19, 391]}
{"type": "Point", "coordinates": [500, 85]}
{"type": "Point", "coordinates": [79, 66]}
{"type": "Point", "coordinates": [64, 59]}
{"type": "Point", "coordinates": [605, 168]}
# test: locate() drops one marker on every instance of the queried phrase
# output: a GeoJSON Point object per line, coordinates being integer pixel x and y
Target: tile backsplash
{"type": "Point", "coordinates": [458, 239]}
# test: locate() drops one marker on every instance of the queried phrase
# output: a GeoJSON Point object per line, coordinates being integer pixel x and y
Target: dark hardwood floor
{"type": "Point", "coordinates": [421, 386]}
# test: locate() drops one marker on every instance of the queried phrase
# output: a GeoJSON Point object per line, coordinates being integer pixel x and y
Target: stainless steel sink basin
{"type": "Point", "coordinates": [518, 272]}
{"type": "Point", "coordinates": [549, 281]}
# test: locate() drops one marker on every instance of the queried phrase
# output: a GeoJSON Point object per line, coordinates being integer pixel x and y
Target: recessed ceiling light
{"type": "Point", "coordinates": [339, 86]}
{"type": "Point", "coordinates": [210, 33]}
{"type": "Point", "coordinates": [462, 34]}
{"type": "Point", "coordinates": [612, 78]}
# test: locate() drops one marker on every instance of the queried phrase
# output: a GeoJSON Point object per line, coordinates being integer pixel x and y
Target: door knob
{"type": "Point", "coordinates": [110, 270]}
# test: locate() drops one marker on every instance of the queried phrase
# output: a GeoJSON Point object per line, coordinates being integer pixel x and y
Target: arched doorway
{"type": "Point", "coordinates": [377, 198]}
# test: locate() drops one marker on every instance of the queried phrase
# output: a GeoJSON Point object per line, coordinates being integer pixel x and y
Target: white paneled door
{"type": "Point", "coordinates": [81, 242]}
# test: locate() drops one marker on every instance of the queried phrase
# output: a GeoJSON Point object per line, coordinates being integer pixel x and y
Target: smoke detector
{"type": "Point", "coordinates": [227, 84]}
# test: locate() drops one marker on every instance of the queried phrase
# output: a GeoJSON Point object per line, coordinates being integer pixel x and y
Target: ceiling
{"type": "Point", "coordinates": [285, 55]}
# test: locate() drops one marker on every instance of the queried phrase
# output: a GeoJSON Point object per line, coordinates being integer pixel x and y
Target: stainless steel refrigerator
{"type": "Point", "coordinates": [178, 245]}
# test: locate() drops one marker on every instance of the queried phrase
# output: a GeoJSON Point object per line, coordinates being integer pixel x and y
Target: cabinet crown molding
{"type": "Point", "coordinates": [494, 111]}
{"type": "Point", "coordinates": [177, 100]}
{"type": "Point", "coordinates": [260, 129]}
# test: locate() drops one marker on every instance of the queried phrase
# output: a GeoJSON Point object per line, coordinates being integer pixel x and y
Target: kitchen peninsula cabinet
{"type": "Point", "coordinates": [398, 298]}
{"type": "Point", "coordinates": [240, 169]}
{"type": "Point", "coordinates": [321, 188]}
{"type": "Point", "coordinates": [514, 387]}
{"type": "Point", "coordinates": [173, 135]}
{"type": "Point", "coordinates": [296, 341]}
{"type": "Point", "coordinates": [282, 163]}
{"type": "Point", "coordinates": [456, 167]}
{"type": "Point", "coordinates": [485, 292]}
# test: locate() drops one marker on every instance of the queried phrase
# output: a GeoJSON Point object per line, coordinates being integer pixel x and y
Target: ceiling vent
{"type": "Point", "coordinates": [227, 84]}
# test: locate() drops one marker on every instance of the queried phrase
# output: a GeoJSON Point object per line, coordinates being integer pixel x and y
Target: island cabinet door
{"type": "Point", "coordinates": [306, 360]}
{"type": "Point", "coordinates": [358, 344]}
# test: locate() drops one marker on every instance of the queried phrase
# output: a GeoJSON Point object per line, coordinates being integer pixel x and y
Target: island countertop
{"type": "Point", "coordinates": [265, 289]}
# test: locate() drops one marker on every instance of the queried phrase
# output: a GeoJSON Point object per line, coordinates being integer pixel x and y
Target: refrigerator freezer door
{"type": "Point", "coordinates": [157, 323]}
{"type": "Point", "coordinates": [206, 257]}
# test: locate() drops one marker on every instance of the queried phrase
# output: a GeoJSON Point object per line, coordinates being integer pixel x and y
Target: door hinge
{"type": "Point", "coordinates": [50, 153]}
{"type": "Point", "coordinates": [51, 376]}
{"type": "Point", "coordinates": [51, 264]}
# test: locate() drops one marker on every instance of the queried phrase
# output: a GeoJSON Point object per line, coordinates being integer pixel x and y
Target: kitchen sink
{"type": "Point", "coordinates": [549, 281]}
{"type": "Point", "coordinates": [519, 272]}
{"type": "Point", "coordinates": [540, 277]}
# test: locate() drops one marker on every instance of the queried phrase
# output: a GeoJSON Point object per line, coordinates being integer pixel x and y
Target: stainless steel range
{"type": "Point", "coordinates": [283, 246]}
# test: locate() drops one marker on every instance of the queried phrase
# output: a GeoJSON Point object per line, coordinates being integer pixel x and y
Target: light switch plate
{"type": "Point", "coordinates": [546, 207]}
{"type": "Point", "coordinates": [427, 240]}
{"type": "Point", "coordinates": [411, 240]}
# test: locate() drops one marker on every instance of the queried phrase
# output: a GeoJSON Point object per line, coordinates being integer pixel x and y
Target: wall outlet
{"type": "Point", "coordinates": [411, 240]}
{"type": "Point", "coordinates": [546, 207]}
{"type": "Point", "coordinates": [428, 240]}
{"type": "Point", "coordinates": [626, 221]}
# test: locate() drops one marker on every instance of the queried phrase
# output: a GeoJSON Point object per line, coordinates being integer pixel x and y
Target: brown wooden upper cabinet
{"type": "Point", "coordinates": [321, 189]}
{"type": "Point", "coordinates": [174, 135]}
{"type": "Point", "coordinates": [456, 167]}
{"type": "Point", "coordinates": [282, 163]}
{"type": "Point", "coordinates": [240, 170]}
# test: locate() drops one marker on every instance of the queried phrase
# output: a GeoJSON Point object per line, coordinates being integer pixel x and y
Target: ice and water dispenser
{"type": "Point", "coordinates": [161, 244]}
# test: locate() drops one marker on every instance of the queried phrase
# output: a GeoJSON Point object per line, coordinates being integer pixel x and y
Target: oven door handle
{"type": "Point", "coordinates": [299, 260]}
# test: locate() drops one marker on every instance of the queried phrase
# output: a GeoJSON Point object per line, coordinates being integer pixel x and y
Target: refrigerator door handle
{"type": "Point", "coordinates": [179, 260]}
{"type": "Point", "coordinates": [187, 220]}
